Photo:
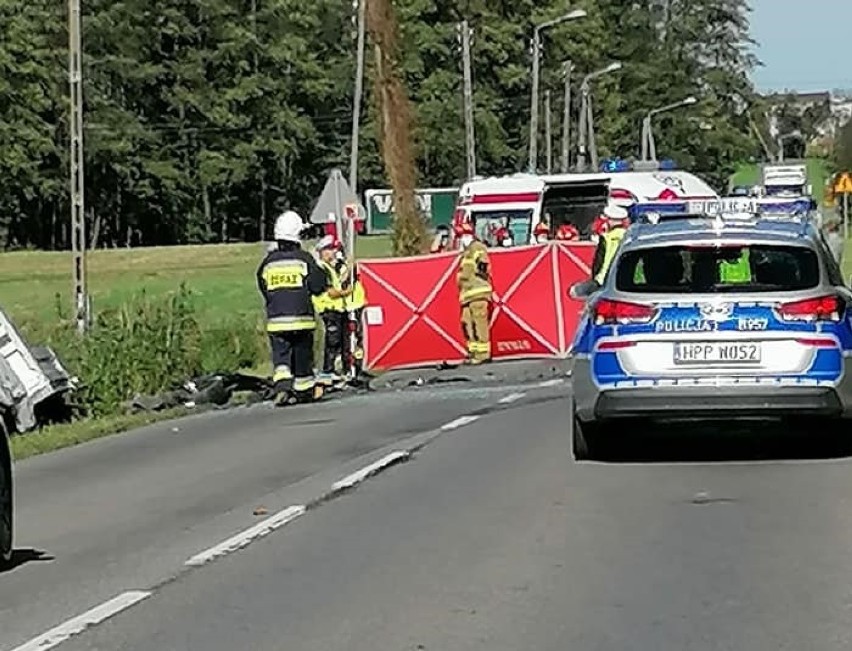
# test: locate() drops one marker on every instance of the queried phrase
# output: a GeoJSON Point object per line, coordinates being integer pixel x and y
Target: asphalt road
{"type": "Point", "coordinates": [129, 510]}
{"type": "Point", "coordinates": [490, 537]}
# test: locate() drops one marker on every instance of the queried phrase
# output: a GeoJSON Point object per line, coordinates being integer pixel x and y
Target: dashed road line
{"type": "Point", "coordinates": [550, 383]}
{"type": "Point", "coordinates": [248, 536]}
{"type": "Point", "coordinates": [368, 471]}
{"type": "Point", "coordinates": [512, 397]}
{"type": "Point", "coordinates": [458, 422]}
{"type": "Point", "coordinates": [77, 625]}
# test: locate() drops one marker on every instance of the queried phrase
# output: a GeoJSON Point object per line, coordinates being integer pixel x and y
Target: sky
{"type": "Point", "coordinates": [805, 45]}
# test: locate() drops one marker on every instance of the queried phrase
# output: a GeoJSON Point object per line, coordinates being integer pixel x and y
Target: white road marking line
{"type": "Point", "coordinates": [367, 471]}
{"type": "Point", "coordinates": [248, 536]}
{"type": "Point", "coordinates": [458, 422]}
{"type": "Point", "coordinates": [551, 383]}
{"type": "Point", "coordinates": [512, 397]}
{"type": "Point", "coordinates": [77, 625]}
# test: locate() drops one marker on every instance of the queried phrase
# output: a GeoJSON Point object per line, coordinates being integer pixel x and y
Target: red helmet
{"type": "Point", "coordinates": [600, 225]}
{"type": "Point", "coordinates": [464, 228]}
{"type": "Point", "coordinates": [541, 229]}
{"type": "Point", "coordinates": [567, 232]}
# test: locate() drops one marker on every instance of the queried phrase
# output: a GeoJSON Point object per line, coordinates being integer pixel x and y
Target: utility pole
{"type": "Point", "coordinates": [349, 224]}
{"type": "Point", "coordinates": [359, 92]}
{"type": "Point", "coordinates": [583, 129]}
{"type": "Point", "coordinates": [590, 129]}
{"type": "Point", "coordinates": [470, 136]}
{"type": "Point", "coordinates": [536, 54]}
{"type": "Point", "coordinates": [548, 138]}
{"type": "Point", "coordinates": [78, 206]}
{"type": "Point", "coordinates": [566, 118]}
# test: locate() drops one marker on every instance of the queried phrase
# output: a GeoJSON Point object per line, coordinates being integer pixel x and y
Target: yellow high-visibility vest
{"type": "Point", "coordinates": [611, 240]}
{"type": "Point", "coordinates": [324, 302]}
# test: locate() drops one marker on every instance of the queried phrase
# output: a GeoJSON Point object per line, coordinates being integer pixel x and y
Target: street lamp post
{"type": "Point", "coordinates": [536, 54]}
{"type": "Point", "coordinates": [568, 68]}
{"type": "Point", "coordinates": [793, 135]}
{"type": "Point", "coordinates": [648, 144]}
{"type": "Point", "coordinates": [586, 130]}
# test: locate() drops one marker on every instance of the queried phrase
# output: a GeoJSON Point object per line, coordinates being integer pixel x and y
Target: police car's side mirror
{"type": "Point", "coordinates": [581, 291]}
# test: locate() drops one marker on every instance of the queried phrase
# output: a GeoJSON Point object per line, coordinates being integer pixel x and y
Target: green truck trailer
{"type": "Point", "coordinates": [436, 204]}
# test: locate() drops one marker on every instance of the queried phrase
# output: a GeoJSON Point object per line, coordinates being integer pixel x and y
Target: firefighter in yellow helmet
{"type": "Point", "coordinates": [288, 278]}
{"type": "Point", "coordinates": [474, 282]}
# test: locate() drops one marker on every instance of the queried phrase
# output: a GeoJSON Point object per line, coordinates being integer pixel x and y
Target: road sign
{"type": "Point", "coordinates": [335, 198]}
{"type": "Point", "coordinates": [843, 184]}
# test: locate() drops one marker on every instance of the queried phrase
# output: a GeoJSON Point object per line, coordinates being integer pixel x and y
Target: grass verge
{"type": "Point", "coordinates": [56, 437]}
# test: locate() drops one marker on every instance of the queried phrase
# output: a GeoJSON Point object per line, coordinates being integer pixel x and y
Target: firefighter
{"type": "Point", "coordinates": [287, 278]}
{"type": "Point", "coordinates": [615, 223]}
{"type": "Point", "coordinates": [503, 238]}
{"type": "Point", "coordinates": [567, 233]}
{"type": "Point", "coordinates": [441, 241]}
{"type": "Point", "coordinates": [474, 282]}
{"type": "Point", "coordinates": [332, 306]}
{"type": "Point", "coordinates": [541, 232]}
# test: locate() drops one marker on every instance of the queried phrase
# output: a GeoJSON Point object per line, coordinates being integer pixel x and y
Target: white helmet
{"type": "Point", "coordinates": [289, 227]}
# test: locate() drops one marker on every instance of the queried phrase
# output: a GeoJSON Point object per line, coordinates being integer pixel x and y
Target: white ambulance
{"type": "Point", "coordinates": [519, 202]}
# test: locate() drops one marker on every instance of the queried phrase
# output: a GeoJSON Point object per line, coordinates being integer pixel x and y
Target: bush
{"type": "Point", "coordinates": [148, 345]}
{"type": "Point", "coordinates": [145, 346]}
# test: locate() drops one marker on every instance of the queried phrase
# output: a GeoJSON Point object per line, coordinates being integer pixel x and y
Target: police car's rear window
{"type": "Point", "coordinates": [709, 269]}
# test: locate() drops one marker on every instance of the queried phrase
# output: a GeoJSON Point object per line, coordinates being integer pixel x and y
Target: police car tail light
{"type": "Point", "coordinates": [607, 312]}
{"type": "Point", "coordinates": [824, 308]}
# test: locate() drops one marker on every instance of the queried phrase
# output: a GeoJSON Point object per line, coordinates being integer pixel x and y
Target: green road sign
{"type": "Point", "coordinates": [436, 204]}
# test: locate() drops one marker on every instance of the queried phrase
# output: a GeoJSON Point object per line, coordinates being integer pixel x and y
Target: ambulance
{"type": "Point", "coordinates": [519, 202]}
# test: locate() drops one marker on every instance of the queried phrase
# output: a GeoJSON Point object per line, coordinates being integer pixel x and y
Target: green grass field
{"type": "Point", "coordinates": [35, 285]}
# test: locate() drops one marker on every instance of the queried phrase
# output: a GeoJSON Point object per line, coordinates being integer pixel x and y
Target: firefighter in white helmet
{"type": "Point", "coordinates": [288, 278]}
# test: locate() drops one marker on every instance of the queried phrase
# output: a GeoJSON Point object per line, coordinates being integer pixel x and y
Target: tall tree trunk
{"type": "Point", "coordinates": [409, 228]}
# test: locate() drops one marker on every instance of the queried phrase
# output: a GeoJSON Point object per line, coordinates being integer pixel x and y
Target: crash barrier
{"type": "Point", "coordinates": [413, 315]}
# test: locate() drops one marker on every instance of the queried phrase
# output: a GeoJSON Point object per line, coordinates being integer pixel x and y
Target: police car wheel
{"type": "Point", "coordinates": [6, 504]}
{"type": "Point", "coordinates": [587, 440]}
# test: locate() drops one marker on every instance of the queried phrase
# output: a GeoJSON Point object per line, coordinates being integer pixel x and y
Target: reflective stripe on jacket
{"type": "Point", "coordinates": [474, 276]}
{"type": "Point", "coordinates": [610, 240]}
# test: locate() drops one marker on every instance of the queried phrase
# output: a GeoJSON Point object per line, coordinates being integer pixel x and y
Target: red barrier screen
{"type": "Point", "coordinates": [413, 313]}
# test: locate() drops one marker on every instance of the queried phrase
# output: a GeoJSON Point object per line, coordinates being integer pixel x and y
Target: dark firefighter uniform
{"type": "Point", "coordinates": [288, 278]}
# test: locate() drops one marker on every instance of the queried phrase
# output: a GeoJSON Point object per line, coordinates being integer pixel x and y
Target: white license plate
{"type": "Point", "coordinates": [717, 353]}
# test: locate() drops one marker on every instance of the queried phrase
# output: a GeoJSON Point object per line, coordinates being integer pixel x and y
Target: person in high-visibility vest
{"type": "Point", "coordinates": [474, 283]}
{"type": "Point", "coordinates": [354, 304]}
{"type": "Point", "coordinates": [332, 306]}
{"type": "Point", "coordinates": [616, 222]}
{"type": "Point", "coordinates": [287, 278]}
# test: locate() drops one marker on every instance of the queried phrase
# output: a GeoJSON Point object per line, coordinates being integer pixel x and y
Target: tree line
{"type": "Point", "coordinates": [205, 117]}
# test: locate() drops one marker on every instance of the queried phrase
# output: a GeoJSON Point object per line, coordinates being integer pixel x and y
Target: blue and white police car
{"type": "Point", "coordinates": [712, 316]}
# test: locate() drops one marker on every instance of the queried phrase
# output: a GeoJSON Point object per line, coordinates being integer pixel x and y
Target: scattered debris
{"type": "Point", "coordinates": [260, 510]}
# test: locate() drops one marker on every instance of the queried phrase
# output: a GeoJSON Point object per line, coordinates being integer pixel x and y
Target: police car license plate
{"type": "Point", "coordinates": [717, 353]}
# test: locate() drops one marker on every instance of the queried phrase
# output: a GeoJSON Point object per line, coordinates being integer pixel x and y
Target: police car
{"type": "Point", "coordinates": [706, 317]}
